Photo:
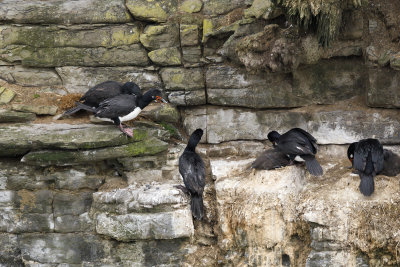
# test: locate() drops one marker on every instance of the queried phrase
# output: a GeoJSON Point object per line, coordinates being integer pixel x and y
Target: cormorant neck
{"type": "Point", "coordinates": [193, 141]}
{"type": "Point", "coordinates": [144, 100]}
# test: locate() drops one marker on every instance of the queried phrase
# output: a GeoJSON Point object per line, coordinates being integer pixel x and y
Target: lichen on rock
{"type": "Point", "coordinates": [166, 56]}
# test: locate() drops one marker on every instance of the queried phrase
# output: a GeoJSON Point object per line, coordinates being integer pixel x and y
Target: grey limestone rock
{"type": "Point", "coordinates": [170, 56]}
{"type": "Point", "coordinates": [146, 147]}
{"type": "Point", "coordinates": [63, 248]}
{"type": "Point", "coordinates": [188, 79]}
{"type": "Point", "coordinates": [156, 11]}
{"type": "Point", "coordinates": [126, 55]}
{"type": "Point", "coordinates": [160, 36]}
{"type": "Point", "coordinates": [146, 212]}
{"type": "Point", "coordinates": [323, 83]}
{"type": "Point", "coordinates": [133, 226]}
{"type": "Point", "coordinates": [64, 12]}
{"type": "Point", "coordinates": [328, 127]}
{"type": "Point", "coordinates": [383, 88]}
{"type": "Point", "coordinates": [15, 116]}
{"type": "Point", "coordinates": [64, 136]}
{"type": "Point", "coordinates": [80, 79]}
{"type": "Point", "coordinates": [29, 76]}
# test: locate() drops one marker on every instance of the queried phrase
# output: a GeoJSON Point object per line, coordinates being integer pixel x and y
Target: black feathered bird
{"type": "Point", "coordinates": [367, 158]}
{"type": "Point", "coordinates": [299, 146]}
{"type": "Point", "coordinates": [95, 95]}
{"type": "Point", "coordinates": [391, 163]}
{"type": "Point", "coordinates": [123, 107]}
{"type": "Point", "coordinates": [271, 159]}
{"type": "Point", "coordinates": [193, 172]}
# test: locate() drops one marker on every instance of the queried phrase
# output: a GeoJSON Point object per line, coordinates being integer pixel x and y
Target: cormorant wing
{"type": "Point", "coordinates": [311, 138]}
{"type": "Point", "coordinates": [377, 157]}
{"type": "Point", "coordinates": [360, 156]}
{"type": "Point", "coordinates": [295, 143]}
{"type": "Point", "coordinates": [101, 91]}
{"type": "Point", "coordinates": [116, 106]}
{"type": "Point", "coordinates": [192, 169]}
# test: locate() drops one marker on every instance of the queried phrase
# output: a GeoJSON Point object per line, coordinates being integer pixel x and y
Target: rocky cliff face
{"type": "Point", "coordinates": [73, 193]}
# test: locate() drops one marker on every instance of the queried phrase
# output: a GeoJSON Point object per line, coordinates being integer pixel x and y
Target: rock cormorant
{"type": "Point", "coordinates": [367, 158]}
{"type": "Point", "coordinates": [123, 107]}
{"type": "Point", "coordinates": [192, 169]}
{"type": "Point", "coordinates": [299, 146]}
{"type": "Point", "coordinates": [95, 95]}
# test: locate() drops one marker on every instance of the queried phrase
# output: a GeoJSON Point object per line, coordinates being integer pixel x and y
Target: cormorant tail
{"type": "Point", "coordinates": [85, 107]}
{"type": "Point", "coordinates": [71, 111]}
{"type": "Point", "coordinates": [367, 186]}
{"type": "Point", "coordinates": [312, 165]}
{"type": "Point", "coordinates": [197, 206]}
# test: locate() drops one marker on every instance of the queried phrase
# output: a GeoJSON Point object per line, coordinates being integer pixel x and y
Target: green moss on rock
{"type": "Point", "coordinates": [149, 146]}
{"type": "Point", "coordinates": [191, 6]}
{"type": "Point", "coordinates": [166, 56]}
{"type": "Point", "coordinates": [160, 36]}
{"type": "Point", "coordinates": [151, 10]}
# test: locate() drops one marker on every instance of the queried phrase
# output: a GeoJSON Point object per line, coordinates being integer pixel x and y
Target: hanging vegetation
{"type": "Point", "coordinates": [322, 16]}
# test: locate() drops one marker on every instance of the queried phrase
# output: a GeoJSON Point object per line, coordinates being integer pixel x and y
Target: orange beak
{"type": "Point", "coordinates": [159, 99]}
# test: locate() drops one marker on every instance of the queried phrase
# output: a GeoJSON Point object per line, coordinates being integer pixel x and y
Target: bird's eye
{"type": "Point", "coordinates": [351, 156]}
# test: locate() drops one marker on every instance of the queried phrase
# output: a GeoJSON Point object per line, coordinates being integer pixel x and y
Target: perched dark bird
{"type": "Point", "coordinates": [367, 158]}
{"type": "Point", "coordinates": [123, 107]}
{"type": "Point", "coordinates": [193, 172]}
{"type": "Point", "coordinates": [95, 95]}
{"type": "Point", "coordinates": [391, 163]}
{"type": "Point", "coordinates": [299, 146]}
{"type": "Point", "coordinates": [271, 159]}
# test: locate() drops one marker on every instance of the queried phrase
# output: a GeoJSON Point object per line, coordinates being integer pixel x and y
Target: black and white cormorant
{"type": "Point", "coordinates": [299, 146]}
{"type": "Point", "coordinates": [123, 107]}
{"type": "Point", "coordinates": [193, 172]}
{"type": "Point", "coordinates": [367, 158]}
{"type": "Point", "coordinates": [95, 95]}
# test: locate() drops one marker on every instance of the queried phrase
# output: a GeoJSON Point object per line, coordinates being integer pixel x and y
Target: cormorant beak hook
{"type": "Point", "coordinates": [159, 99]}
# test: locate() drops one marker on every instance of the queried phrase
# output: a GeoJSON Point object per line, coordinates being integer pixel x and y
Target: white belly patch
{"type": "Point", "coordinates": [299, 159]}
{"type": "Point", "coordinates": [131, 115]}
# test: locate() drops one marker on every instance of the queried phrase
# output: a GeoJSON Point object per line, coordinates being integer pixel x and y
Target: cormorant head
{"type": "Point", "coordinates": [131, 88]}
{"type": "Point", "coordinates": [350, 151]}
{"type": "Point", "coordinates": [195, 138]}
{"type": "Point", "coordinates": [156, 95]}
{"type": "Point", "coordinates": [151, 95]}
{"type": "Point", "coordinates": [273, 137]}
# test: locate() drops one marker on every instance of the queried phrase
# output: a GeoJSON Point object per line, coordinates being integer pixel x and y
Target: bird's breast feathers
{"type": "Point", "coordinates": [131, 115]}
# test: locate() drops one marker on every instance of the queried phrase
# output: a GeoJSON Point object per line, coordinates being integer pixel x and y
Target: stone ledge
{"type": "Point", "coordinates": [343, 125]}
{"type": "Point", "coordinates": [14, 116]}
{"type": "Point", "coordinates": [64, 12]}
{"type": "Point", "coordinates": [149, 198]}
{"type": "Point", "coordinates": [149, 146]}
{"type": "Point", "coordinates": [133, 226]}
{"type": "Point", "coordinates": [17, 140]}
